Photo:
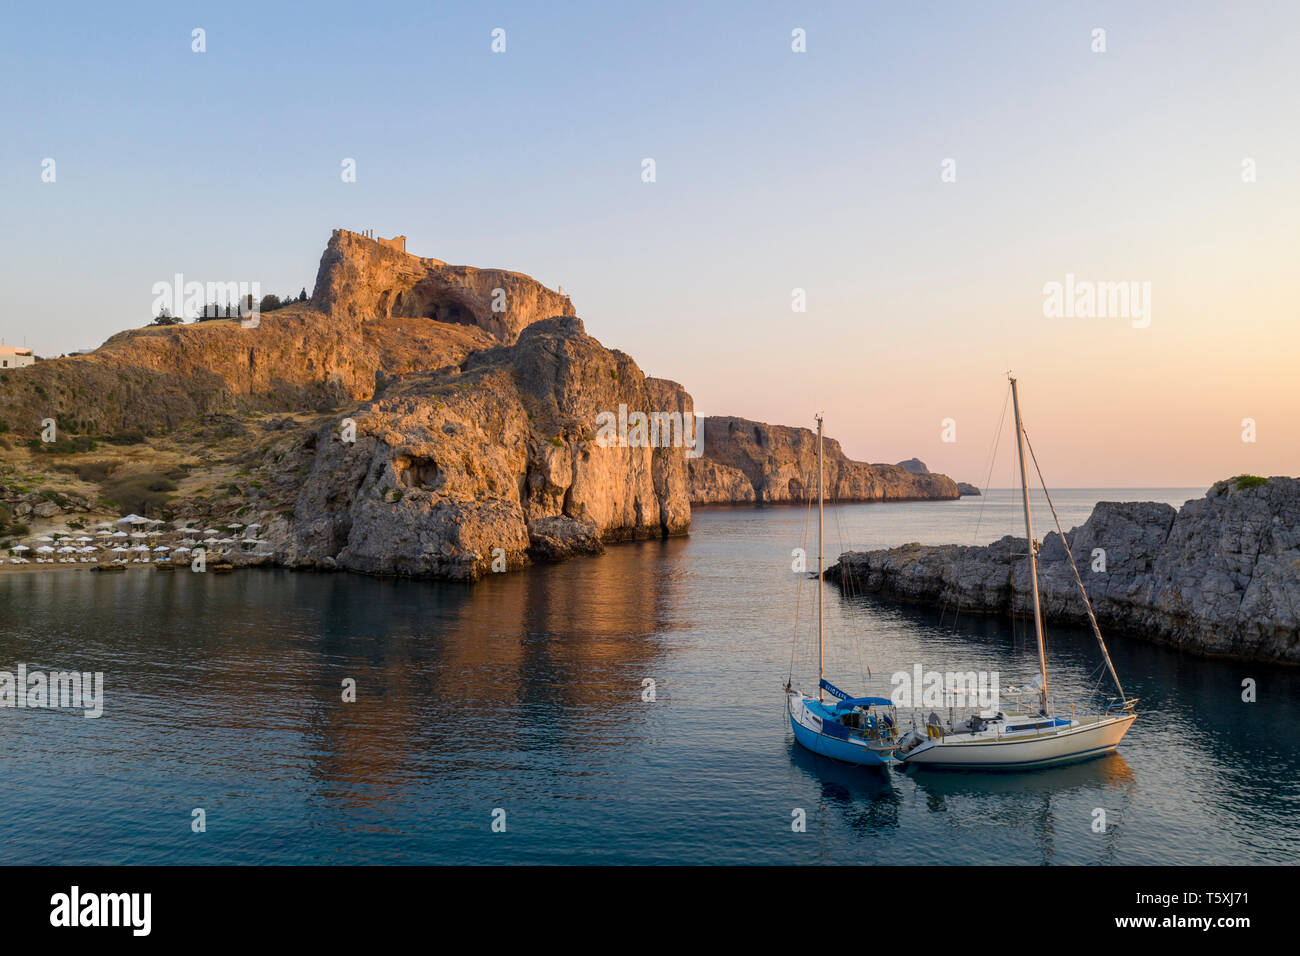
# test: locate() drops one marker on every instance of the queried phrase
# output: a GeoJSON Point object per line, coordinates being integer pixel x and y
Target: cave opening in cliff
{"type": "Point", "coordinates": [429, 301]}
{"type": "Point", "coordinates": [450, 310]}
{"type": "Point", "coordinates": [415, 471]}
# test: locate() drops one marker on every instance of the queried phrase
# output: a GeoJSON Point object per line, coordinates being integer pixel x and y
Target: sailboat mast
{"type": "Point", "coordinates": [819, 557]}
{"type": "Point", "coordinates": [1029, 534]}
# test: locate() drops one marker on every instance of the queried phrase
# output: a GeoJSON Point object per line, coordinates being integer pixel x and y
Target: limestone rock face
{"type": "Point", "coordinates": [965, 488]}
{"type": "Point", "coordinates": [497, 458]}
{"type": "Point", "coordinates": [713, 483]}
{"type": "Point", "coordinates": [914, 466]}
{"type": "Point", "coordinates": [1220, 576]}
{"type": "Point", "coordinates": [360, 279]}
{"type": "Point", "coordinates": [779, 462]}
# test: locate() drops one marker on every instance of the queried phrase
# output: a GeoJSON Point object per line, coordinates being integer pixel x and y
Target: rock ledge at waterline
{"type": "Point", "coordinates": [1219, 576]}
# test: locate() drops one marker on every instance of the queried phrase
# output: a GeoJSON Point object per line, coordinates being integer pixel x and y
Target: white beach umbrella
{"type": "Point", "coordinates": [118, 534]}
{"type": "Point", "coordinates": [213, 531]}
{"type": "Point", "coordinates": [45, 549]}
{"type": "Point", "coordinates": [119, 550]}
{"type": "Point", "coordinates": [44, 538]}
{"type": "Point", "coordinates": [181, 548]}
{"type": "Point", "coordinates": [162, 547]}
{"type": "Point", "coordinates": [254, 525]}
{"type": "Point", "coordinates": [20, 547]}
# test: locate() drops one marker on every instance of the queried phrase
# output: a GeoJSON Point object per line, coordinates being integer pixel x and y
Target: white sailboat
{"type": "Point", "coordinates": [1047, 733]}
{"type": "Point", "coordinates": [857, 730]}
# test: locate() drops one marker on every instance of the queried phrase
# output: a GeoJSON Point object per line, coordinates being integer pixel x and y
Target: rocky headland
{"type": "Point", "coordinates": [412, 418]}
{"type": "Point", "coordinates": [1219, 576]}
{"type": "Point", "coordinates": [752, 462]}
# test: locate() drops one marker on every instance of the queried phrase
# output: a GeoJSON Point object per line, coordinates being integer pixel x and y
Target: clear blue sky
{"type": "Point", "coordinates": [775, 170]}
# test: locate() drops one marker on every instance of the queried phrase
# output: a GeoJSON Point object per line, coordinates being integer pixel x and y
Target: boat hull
{"type": "Point", "coordinates": [807, 733]}
{"type": "Point", "coordinates": [1081, 741]}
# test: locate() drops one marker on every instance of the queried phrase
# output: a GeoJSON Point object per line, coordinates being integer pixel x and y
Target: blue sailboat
{"type": "Point", "coordinates": [857, 730]}
{"type": "Point", "coordinates": [850, 730]}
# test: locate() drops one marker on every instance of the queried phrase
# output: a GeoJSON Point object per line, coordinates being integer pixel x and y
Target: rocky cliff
{"type": "Point", "coordinates": [1220, 576]}
{"type": "Point", "coordinates": [747, 461]}
{"type": "Point", "coordinates": [362, 280]}
{"type": "Point", "coordinates": [376, 313]}
{"type": "Point", "coordinates": [413, 418]}
{"type": "Point", "coordinates": [496, 458]}
{"type": "Point", "coordinates": [441, 419]}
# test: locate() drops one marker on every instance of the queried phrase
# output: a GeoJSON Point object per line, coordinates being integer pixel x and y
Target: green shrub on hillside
{"type": "Point", "coordinates": [141, 493]}
{"type": "Point", "coordinates": [92, 471]}
{"type": "Point", "coordinates": [64, 445]}
{"type": "Point", "coordinates": [129, 437]}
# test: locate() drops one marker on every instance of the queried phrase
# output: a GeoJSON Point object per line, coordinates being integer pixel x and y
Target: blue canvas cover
{"type": "Point", "coordinates": [831, 729]}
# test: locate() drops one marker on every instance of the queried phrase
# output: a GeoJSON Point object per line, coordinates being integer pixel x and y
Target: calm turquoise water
{"type": "Point", "coordinates": [524, 693]}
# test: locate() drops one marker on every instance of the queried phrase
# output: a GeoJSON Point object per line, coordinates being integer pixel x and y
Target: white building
{"type": "Point", "coordinates": [13, 357]}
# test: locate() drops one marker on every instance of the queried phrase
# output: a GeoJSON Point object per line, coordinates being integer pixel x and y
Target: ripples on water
{"type": "Point", "coordinates": [524, 693]}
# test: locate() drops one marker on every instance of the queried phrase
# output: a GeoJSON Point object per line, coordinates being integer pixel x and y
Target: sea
{"type": "Point", "coordinates": [620, 709]}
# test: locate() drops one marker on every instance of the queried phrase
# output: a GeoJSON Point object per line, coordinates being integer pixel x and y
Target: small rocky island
{"type": "Point", "coordinates": [1219, 576]}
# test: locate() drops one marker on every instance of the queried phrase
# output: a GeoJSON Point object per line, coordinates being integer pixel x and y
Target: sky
{"type": "Point", "coordinates": [921, 171]}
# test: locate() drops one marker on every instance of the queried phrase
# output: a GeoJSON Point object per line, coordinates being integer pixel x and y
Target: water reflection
{"type": "Point", "coordinates": [525, 692]}
{"type": "Point", "coordinates": [547, 666]}
{"type": "Point", "coordinates": [1033, 800]}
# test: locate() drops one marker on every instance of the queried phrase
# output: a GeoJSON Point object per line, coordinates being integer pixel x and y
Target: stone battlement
{"type": "Point", "coordinates": [397, 243]}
